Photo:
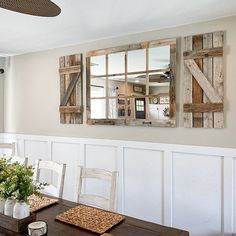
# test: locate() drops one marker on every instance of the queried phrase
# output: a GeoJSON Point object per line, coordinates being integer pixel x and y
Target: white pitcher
{"type": "Point", "coordinates": [21, 210]}
{"type": "Point", "coordinates": [8, 208]}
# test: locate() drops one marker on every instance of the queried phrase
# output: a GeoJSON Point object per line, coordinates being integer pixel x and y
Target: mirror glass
{"type": "Point", "coordinates": [112, 108]}
{"type": "Point", "coordinates": [98, 108]}
{"type": "Point", "coordinates": [136, 85]}
{"type": "Point", "coordinates": [97, 87]}
{"type": "Point", "coordinates": [116, 63]}
{"type": "Point", "coordinates": [139, 95]}
{"type": "Point", "coordinates": [159, 58]}
{"type": "Point", "coordinates": [136, 60]}
{"type": "Point", "coordinates": [116, 86]}
{"type": "Point", "coordinates": [98, 65]}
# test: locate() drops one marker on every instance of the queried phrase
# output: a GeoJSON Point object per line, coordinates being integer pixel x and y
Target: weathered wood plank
{"type": "Point", "coordinates": [72, 96]}
{"type": "Point", "coordinates": [126, 84]}
{"type": "Point", "coordinates": [197, 90]}
{"type": "Point", "coordinates": [156, 43]}
{"type": "Point", "coordinates": [62, 87]}
{"type": "Point", "coordinates": [70, 109]}
{"type": "Point", "coordinates": [172, 93]}
{"type": "Point", "coordinates": [147, 84]}
{"type": "Point", "coordinates": [162, 42]}
{"type": "Point", "coordinates": [203, 107]}
{"type": "Point", "coordinates": [131, 73]}
{"type": "Point", "coordinates": [69, 70]}
{"type": "Point", "coordinates": [67, 82]}
{"type": "Point", "coordinates": [88, 83]}
{"type": "Point", "coordinates": [203, 53]}
{"type": "Point", "coordinates": [202, 81]}
{"type": "Point", "coordinates": [79, 90]}
{"type": "Point", "coordinates": [218, 78]}
{"type": "Point", "coordinates": [188, 117]}
{"type": "Point", "coordinates": [70, 90]}
{"type": "Point", "coordinates": [207, 71]}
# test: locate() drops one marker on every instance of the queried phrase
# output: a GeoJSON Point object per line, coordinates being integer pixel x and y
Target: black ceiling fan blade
{"type": "Point", "coordinates": [44, 8]}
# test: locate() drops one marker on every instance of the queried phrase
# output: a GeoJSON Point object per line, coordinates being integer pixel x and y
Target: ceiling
{"type": "Point", "coordinates": [90, 20]}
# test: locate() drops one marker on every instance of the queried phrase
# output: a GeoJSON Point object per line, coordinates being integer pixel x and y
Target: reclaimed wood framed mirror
{"type": "Point", "coordinates": [132, 85]}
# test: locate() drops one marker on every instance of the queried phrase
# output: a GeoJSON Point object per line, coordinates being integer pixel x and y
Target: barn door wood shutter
{"type": "Point", "coordinates": [203, 81]}
{"type": "Point", "coordinates": [71, 109]}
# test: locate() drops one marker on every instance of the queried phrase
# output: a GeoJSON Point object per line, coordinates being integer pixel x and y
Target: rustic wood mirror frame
{"type": "Point", "coordinates": [171, 122]}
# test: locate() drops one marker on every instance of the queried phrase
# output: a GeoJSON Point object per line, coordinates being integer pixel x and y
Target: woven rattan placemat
{"type": "Point", "coordinates": [93, 219]}
{"type": "Point", "coordinates": [37, 202]}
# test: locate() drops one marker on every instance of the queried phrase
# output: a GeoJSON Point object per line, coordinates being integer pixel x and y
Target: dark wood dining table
{"type": "Point", "coordinates": [129, 227]}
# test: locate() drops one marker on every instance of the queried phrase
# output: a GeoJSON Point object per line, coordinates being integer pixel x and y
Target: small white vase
{"type": "Point", "coordinates": [21, 210]}
{"type": "Point", "coordinates": [8, 208]}
{"type": "Point", "coordinates": [2, 204]}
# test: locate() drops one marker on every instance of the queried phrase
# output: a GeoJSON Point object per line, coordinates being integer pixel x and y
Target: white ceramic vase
{"type": "Point", "coordinates": [21, 210]}
{"type": "Point", "coordinates": [8, 207]}
{"type": "Point", "coordinates": [2, 204]}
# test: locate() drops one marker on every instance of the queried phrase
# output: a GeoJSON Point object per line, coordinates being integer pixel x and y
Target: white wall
{"type": "Point", "coordinates": [188, 187]}
{"type": "Point", "coordinates": [32, 93]}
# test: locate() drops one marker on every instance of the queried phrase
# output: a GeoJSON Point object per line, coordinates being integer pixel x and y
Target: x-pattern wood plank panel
{"type": "Point", "coordinates": [203, 60]}
{"type": "Point", "coordinates": [71, 109]}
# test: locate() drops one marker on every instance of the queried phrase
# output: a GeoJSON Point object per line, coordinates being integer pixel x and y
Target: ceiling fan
{"type": "Point", "coordinates": [44, 8]}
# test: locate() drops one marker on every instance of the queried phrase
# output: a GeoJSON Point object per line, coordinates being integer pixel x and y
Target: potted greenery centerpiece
{"type": "Point", "coordinates": [16, 185]}
{"type": "Point", "coordinates": [25, 186]}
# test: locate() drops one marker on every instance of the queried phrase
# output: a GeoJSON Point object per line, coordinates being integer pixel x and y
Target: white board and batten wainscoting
{"type": "Point", "coordinates": [188, 187]}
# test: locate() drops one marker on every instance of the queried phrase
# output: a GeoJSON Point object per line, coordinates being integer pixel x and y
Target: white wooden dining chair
{"type": "Point", "coordinates": [94, 199]}
{"type": "Point", "coordinates": [9, 146]}
{"type": "Point", "coordinates": [20, 160]}
{"type": "Point", "coordinates": [56, 191]}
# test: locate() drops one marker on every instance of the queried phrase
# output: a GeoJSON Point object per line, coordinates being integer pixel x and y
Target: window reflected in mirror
{"type": "Point", "coordinates": [133, 85]}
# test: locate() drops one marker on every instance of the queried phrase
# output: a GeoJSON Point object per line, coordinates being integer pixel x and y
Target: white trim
{"type": "Point", "coordinates": [177, 148]}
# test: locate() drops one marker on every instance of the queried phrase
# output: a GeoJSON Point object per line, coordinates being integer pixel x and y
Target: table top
{"type": "Point", "coordinates": [129, 227]}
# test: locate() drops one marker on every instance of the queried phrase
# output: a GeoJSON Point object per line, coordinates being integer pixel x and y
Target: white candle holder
{"type": "Point", "coordinates": [38, 228]}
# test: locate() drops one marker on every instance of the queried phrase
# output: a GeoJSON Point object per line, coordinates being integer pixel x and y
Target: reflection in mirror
{"type": "Point", "coordinates": [136, 85]}
{"type": "Point", "coordinates": [157, 89]}
{"type": "Point", "coordinates": [122, 111]}
{"type": "Point", "coordinates": [112, 109]}
{"type": "Point", "coordinates": [116, 63]}
{"type": "Point", "coordinates": [137, 60]}
{"type": "Point", "coordinates": [98, 87]}
{"type": "Point", "coordinates": [98, 108]}
{"type": "Point", "coordinates": [116, 86]}
{"type": "Point", "coordinates": [98, 65]}
{"type": "Point", "coordinates": [158, 111]}
{"type": "Point", "coordinates": [159, 58]}
{"type": "Point", "coordinates": [137, 108]}
{"type": "Point", "coordinates": [159, 83]}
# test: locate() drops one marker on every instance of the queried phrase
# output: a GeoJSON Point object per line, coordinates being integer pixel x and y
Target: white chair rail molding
{"type": "Point", "coordinates": [176, 185]}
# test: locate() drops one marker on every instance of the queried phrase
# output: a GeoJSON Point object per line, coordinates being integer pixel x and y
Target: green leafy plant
{"type": "Point", "coordinates": [16, 180]}
{"type": "Point", "coordinates": [25, 185]}
{"type": "Point", "coordinates": [6, 189]}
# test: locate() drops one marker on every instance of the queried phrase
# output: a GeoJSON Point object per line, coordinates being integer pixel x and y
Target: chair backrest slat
{"type": "Point", "coordinates": [21, 160]}
{"type": "Point", "coordinates": [96, 200]}
{"type": "Point", "coordinates": [56, 191]}
{"type": "Point", "coordinates": [10, 146]}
